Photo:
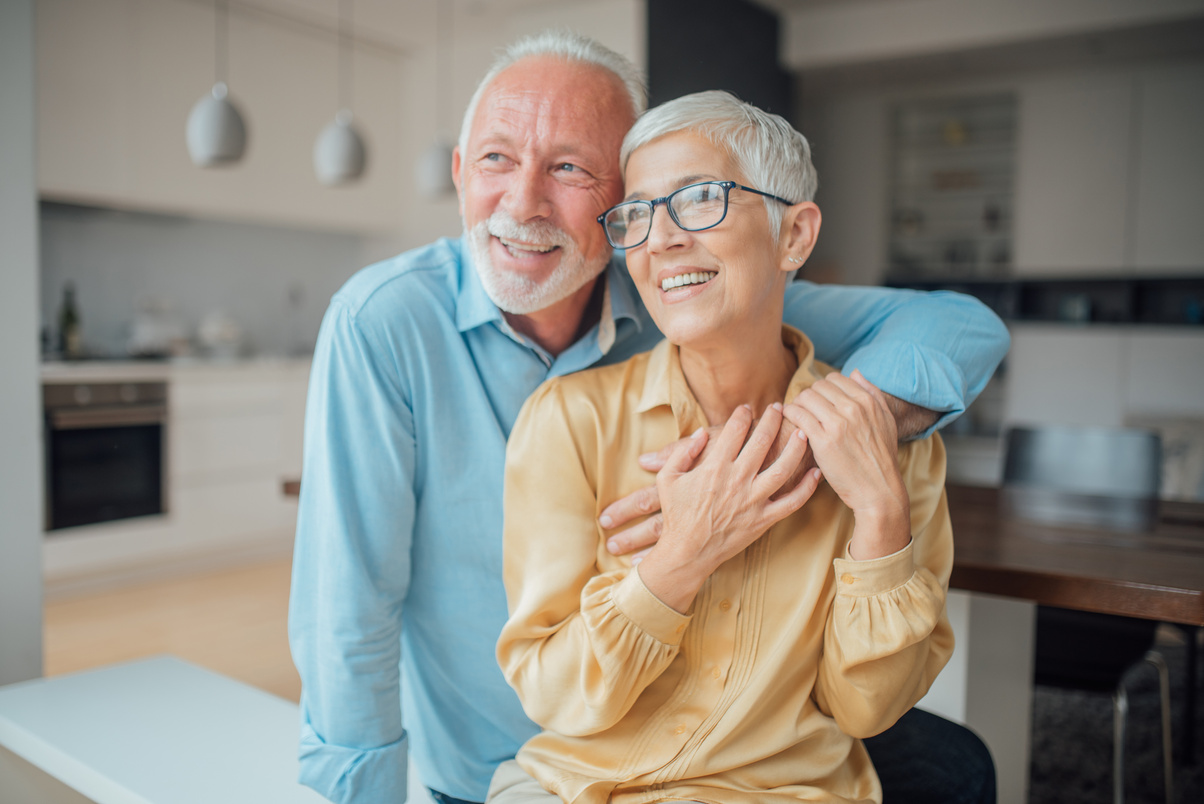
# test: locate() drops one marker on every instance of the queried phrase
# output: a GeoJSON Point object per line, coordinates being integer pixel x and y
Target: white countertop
{"type": "Point", "coordinates": [161, 370]}
{"type": "Point", "coordinates": [157, 731]}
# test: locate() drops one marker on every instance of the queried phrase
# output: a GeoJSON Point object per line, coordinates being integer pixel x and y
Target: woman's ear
{"type": "Point", "coordinates": [800, 230]}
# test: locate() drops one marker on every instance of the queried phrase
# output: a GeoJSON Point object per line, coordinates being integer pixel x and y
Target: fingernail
{"type": "Point", "coordinates": [800, 435]}
{"type": "Point", "coordinates": [647, 456]}
{"type": "Point", "coordinates": [777, 406]}
{"type": "Point", "coordinates": [697, 432]}
{"type": "Point", "coordinates": [605, 521]}
{"type": "Point", "coordinates": [612, 546]}
{"type": "Point", "coordinates": [635, 561]}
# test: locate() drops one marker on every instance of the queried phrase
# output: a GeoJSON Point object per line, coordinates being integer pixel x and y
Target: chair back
{"type": "Point", "coordinates": [1098, 477]}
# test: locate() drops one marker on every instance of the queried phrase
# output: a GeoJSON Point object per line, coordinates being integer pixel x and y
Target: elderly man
{"type": "Point", "coordinates": [422, 364]}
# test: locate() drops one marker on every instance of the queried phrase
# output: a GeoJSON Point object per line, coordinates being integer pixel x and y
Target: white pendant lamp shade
{"type": "Point", "coordinates": [434, 171]}
{"type": "Point", "coordinates": [216, 133]}
{"type": "Point", "coordinates": [339, 153]}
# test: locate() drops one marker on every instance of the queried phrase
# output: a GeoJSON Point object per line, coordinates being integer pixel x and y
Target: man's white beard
{"type": "Point", "coordinates": [521, 295]}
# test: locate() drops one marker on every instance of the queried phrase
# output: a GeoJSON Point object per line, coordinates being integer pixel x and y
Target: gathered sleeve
{"type": "Point", "coordinates": [581, 644]}
{"type": "Point", "coordinates": [887, 634]}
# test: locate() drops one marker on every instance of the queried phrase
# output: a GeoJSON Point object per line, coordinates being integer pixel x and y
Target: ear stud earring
{"type": "Point", "coordinates": [798, 260]}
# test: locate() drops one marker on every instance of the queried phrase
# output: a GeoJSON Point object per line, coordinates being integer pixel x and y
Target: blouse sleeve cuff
{"type": "Point", "coordinates": [647, 612]}
{"type": "Point", "coordinates": [875, 576]}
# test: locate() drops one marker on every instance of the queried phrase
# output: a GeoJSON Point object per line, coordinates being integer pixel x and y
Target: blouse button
{"type": "Point", "coordinates": [680, 730]}
{"type": "Point", "coordinates": [847, 578]}
{"type": "Point", "coordinates": [725, 604]}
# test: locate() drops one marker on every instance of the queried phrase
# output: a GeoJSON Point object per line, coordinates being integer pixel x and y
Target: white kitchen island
{"type": "Point", "coordinates": [156, 731]}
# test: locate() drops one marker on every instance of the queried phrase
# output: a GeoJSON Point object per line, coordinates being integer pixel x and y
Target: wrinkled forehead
{"type": "Point", "coordinates": [547, 99]}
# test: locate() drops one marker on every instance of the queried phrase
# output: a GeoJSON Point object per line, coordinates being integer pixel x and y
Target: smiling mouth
{"type": "Point", "coordinates": [524, 249]}
{"type": "Point", "coordinates": [681, 280]}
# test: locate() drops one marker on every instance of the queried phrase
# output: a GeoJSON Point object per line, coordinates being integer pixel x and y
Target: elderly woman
{"type": "Point", "coordinates": [775, 623]}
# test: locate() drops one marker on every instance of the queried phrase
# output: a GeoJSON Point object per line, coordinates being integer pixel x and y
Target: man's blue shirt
{"type": "Point", "coordinates": [397, 596]}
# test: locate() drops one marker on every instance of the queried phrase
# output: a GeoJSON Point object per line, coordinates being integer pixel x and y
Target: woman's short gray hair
{"type": "Point", "coordinates": [771, 155]}
{"type": "Point", "coordinates": [567, 45]}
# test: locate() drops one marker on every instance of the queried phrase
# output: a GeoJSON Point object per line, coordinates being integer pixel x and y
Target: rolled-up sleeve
{"type": "Point", "coordinates": [936, 349]}
{"type": "Point", "coordinates": [887, 635]}
{"type": "Point", "coordinates": [351, 567]}
{"type": "Point", "coordinates": [580, 646]}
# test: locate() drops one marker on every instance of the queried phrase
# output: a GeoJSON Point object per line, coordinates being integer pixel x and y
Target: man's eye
{"type": "Point", "coordinates": [569, 167]}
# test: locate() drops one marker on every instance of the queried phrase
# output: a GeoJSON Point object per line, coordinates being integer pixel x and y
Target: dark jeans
{"type": "Point", "coordinates": [443, 798]}
{"type": "Point", "coordinates": [922, 758]}
{"type": "Point", "coordinates": [925, 758]}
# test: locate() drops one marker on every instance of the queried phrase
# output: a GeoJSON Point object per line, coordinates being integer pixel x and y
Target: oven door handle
{"type": "Point", "coordinates": [124, 416]}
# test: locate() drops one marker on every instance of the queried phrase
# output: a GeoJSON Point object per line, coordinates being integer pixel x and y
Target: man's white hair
{"type": "Point", "coordinates": [563, 44]}
{"type": "Point", "coordinates": [771, 155]}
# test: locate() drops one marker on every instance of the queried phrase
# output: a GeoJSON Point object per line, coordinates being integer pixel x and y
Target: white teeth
{"type": "Point", "coordinates": [520, 247]}
{"type": "Point", "coordinates": [678, 281]}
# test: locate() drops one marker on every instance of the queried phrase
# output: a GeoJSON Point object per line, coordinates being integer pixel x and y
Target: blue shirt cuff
{"type": "Point", "coordinates": [915, 374]}
{"type": "Point", "coordinates": [343, 774]}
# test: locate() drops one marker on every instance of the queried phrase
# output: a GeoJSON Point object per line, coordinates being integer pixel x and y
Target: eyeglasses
{"type": "Point", "coordinates": [694, 207]}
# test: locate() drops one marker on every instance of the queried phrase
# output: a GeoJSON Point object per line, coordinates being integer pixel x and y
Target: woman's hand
{"type": "Point", "coordinates": [714, 510]}
{"type": "Point", "coordinates": [854, 438]}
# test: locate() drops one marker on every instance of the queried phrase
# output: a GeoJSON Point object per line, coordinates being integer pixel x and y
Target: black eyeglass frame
{"type": "Point", "coordinates": [727, 186]}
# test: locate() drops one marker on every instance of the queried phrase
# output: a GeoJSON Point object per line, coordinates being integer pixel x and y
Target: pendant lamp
{"type": "Point", "coordinates": [216, 134]}
{"type": "Point", "coordinates": [339, 152]}
{"type": "Point", "coordinates": [433, 171]}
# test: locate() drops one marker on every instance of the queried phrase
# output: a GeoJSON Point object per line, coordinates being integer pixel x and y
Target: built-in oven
{"type": "Point", "coordinates": [105, 446]}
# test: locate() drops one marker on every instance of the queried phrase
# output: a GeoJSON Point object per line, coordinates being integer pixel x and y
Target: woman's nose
{"type": "Point", "coordinates": [664, 233]}
{"type": "Point", "coordinates": [526, 196]}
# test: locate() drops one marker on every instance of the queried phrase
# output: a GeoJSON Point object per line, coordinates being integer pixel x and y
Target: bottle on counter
{"type": "Point", "coordinates": [70, 342]}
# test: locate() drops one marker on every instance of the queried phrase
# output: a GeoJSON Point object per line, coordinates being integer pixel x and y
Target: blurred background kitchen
{"type": "Point", "coordinates": [1043, 156]}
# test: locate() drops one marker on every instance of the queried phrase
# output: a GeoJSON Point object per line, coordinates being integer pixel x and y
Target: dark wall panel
{"type": "Point", "coordinates": [695, 45]}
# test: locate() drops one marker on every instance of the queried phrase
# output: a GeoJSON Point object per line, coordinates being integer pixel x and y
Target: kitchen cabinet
{"type": "Point", "coordinates": [1073, 169]}
{"type": "Point", "coordinates": [1102, 376]}
{"type": "Point", "coordinates": [116, 80]}
{"type": "Point", "coordinates": [1169, 227]}
{"type": "Point", "coordinates": [234, 432]}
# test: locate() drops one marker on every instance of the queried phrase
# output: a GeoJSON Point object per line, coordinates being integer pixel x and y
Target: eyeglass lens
{"type": "Point", "coordinates": [698, 206]}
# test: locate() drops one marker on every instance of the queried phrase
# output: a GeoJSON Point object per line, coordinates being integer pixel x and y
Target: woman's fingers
{"type": "Point", "coordinates": [682, 457]}
{"type": "Point", "coordinates": [753, 454]}
{"type": "Point", "coordinates": [731, 440]}
{"type": "Point", "coordinates": [794, 499]}
{"type": "Point", "coordinates": [778, 473]}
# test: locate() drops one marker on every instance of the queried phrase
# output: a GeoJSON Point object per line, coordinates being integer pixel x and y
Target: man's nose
{"type": "Point", "coordinates": [527, 196]}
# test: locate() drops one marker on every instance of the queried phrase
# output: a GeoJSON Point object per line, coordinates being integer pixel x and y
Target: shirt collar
{"type": "Point", "coordinates": [665, 384]}
{"type": "Point", "coordinates": [473, 305]}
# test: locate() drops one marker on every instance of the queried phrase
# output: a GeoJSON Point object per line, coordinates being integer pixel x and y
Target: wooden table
{"type": "Point", "coordinates": [1158, 575]}
{"type": "Point", "coordinates": [1003, 567]}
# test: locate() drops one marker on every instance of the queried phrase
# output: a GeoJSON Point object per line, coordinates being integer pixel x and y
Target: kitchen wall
{"type": "Point", "coordinates": [260, 240]}
{"type": "Point", "coordinates": [20, 455]}
{"type": "Point", "coordinates": [274, 281]}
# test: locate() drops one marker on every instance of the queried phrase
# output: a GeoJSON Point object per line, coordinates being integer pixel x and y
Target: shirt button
{"type": "Point", "coordinates": [725, 604]}
{"type": "Point", "coordinates": [847, 578]}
